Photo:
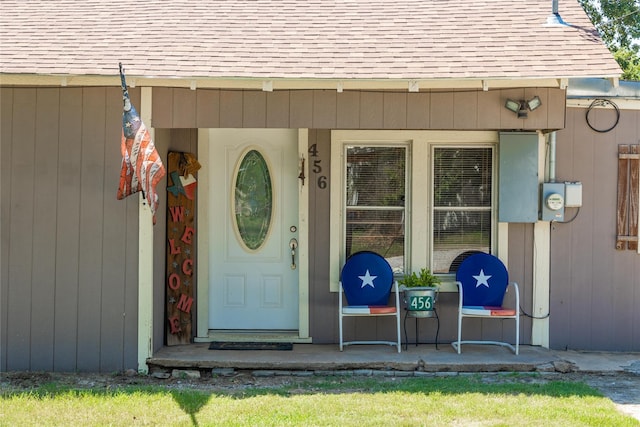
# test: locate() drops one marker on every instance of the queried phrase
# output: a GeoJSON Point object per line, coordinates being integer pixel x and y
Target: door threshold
{"type": "Point", "coordinates": [253, 336]}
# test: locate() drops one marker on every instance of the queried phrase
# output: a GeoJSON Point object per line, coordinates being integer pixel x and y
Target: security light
{"type": "Point", "coordinates": [512, 105]}
{"type": "Point", "coordinates": [520, 107]}
{"type": "Point", "coordinates": [534, 103]}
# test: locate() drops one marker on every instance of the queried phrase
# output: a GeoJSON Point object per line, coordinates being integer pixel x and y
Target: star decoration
{"type": "Point", "coordinates": [367, 279]}
{"type": "Point", "coordinates": [481, 279]}
{"type": "Point", "coordinates": [172, 300]}
{"type": "Point", "coordinates": [174, 264]}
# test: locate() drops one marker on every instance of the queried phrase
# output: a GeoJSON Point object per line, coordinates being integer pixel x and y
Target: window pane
{"type": "Point", "coordinates": [462, 177]}
{"type": "Point", "coordinates": [375, 198]}
{"type": "Point", "coordinates": [375, 176]}
{"type": "Point", "coordinates": [253, 200]}
{"type": "Point", "coordinates": [457, 232]}
{"type": "Point", "coordinates": [462, 205]}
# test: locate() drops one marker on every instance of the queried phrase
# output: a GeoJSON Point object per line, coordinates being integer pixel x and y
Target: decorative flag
{"type": "Point", "coordinates": [142, 168]}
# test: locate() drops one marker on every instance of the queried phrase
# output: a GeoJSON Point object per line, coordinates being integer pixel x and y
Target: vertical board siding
{"type": "Point", "coordinates": [394, 111]}
{"type": "Point", "coordinates": [278, 109]}
{"type": "Point", "coordinates": [324, 109]}
{"type": "Point", "coordinates": [254, 110]}
{"type": "Point", "coordinates": [44, 235]}
{"type": "Point", "coordinates": [594, 288]}
{"type": "Point", "coordinates": [323, 324]}
{"type": "Point", "coordinates": [207, 108]}
{"type": "Point", "coordinates": [21, 231]}
{"type": "Point", "coordinates": [488, 117]}
{"type": "Point", "coordinates": [68, 232]}
{"type": "Point", "coordinates": [442, 110]}
{"type": "Point", "coordinates": [66, 239]}
{"type": "Point", "coordinates": [301, 109]}
{"type": "Point", "coordinates": [162, 107]}
{"type": "Point", "coordinates": [231, 109]}
{"type": "Point", "coordinates": [112, 304]}
{"type": "Point", "coordinates": [418, 105]}
{"type": "Point", "coordinates": [69, 266]}
{"type": "Point", "coordinates": [92, 192]}
{"type": "Point", "coordinates": [465, 114]}
{"type": "Point", "coordinates": [371, 110]}
{"type": "Point", "coordinates": [348, 110]}
{"type": "Point", "coordinates": [6, 130]}
{"type": "Point", "coordinates": [184, 108]}
{"type": "Point", "coordinates": [329, 109]}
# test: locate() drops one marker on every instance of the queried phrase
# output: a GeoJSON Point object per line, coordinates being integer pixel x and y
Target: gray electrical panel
{"type": "Point", "coordinates": [518, 179]}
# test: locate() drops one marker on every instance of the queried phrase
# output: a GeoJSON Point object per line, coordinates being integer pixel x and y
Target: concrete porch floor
{"type": "Point", "coordinates": [423, 358]}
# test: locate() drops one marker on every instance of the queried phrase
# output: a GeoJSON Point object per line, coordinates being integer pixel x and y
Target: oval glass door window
{"type": "Point", "coordinates": [253, 200]}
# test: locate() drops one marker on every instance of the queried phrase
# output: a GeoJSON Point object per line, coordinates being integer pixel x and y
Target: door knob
{"type": "Point", "coordinates": [293, 244]}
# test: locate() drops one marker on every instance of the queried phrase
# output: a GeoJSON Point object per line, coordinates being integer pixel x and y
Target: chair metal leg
{"type": "Point", "coordinates": [458, 344]}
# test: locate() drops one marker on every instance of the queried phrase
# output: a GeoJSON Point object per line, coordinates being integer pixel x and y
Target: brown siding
{"type": "Point", "coordinates": [6, 132]}
{"type": "Point", "coordinates": [322, 303]}
{"type": "Point", "coordinates": [328, 109]}
{"type": "Point", "coordinates": [69, 266]}
{"type": "Point", "coordinates": [521, 271]}
{"type": "Point", "coordinates": [595, 290]}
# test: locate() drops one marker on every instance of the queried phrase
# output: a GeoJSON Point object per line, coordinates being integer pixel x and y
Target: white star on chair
{"type": "Point", "coordinates": [367, 279]}
{"type": "Point", "coordinates": [481, 279]}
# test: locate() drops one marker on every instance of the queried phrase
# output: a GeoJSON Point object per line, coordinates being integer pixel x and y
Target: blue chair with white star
{"type": "Point", "coordinates": [483, 281]}
{"type": "Point", "coordinates": [366, 281]}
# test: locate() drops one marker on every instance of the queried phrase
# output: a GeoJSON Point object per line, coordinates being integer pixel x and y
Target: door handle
{"type": "Point", "coordinates": [293, 244]}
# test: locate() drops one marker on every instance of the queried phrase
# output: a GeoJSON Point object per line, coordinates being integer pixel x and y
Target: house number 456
{"type": "Point", "coordinates": [316, 167]}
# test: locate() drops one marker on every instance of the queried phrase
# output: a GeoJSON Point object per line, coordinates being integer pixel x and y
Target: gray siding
{"type": "Point", "coordinates": [328, 109]}
{"type": "Point", "coordinates": [69, 248]}
{"type": "Point", "coordinates": [595, 290]}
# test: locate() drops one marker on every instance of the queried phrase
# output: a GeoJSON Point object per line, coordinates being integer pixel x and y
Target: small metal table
{"type": "Point", "coordinates": [406, 339]}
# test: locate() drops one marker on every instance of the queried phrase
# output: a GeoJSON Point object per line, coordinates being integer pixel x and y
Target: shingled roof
{"type": "Point", "coordinates": [344, 40]}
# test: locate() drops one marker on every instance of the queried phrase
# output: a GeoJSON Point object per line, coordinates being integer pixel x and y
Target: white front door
{"type": "Point", "coordinates": [253, 221]}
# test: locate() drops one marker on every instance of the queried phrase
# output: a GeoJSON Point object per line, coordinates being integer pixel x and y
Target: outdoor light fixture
{"type": "Point", "coordinates": [521, 107]}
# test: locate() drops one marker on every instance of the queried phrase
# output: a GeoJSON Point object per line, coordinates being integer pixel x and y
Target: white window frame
{"type": "Point", "coordinates": [419, 227]}
{"type": "Point", "coordinates": [493, 209]}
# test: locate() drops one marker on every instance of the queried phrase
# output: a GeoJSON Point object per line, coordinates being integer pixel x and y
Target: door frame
{"type": "Point", "coordinates": [202, 268]}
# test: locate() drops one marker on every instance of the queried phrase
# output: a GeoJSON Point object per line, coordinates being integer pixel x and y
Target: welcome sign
{"type": "Point", "coordinates": [181, 250]}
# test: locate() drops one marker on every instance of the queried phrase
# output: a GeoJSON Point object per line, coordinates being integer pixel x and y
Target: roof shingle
{"type": "Point", "coordinates": [301, 39]}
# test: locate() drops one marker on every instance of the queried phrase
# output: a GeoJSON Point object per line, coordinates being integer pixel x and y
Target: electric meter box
{"type": "Point", "coordinates": [552, 201]}
{"type": "Point", "coordinates": [572, 194]}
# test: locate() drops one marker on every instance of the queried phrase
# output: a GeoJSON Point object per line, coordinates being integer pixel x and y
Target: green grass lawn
{"type": "Point", "coordinates": [329, 401]}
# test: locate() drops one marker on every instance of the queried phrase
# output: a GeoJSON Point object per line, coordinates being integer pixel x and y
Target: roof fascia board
{"type": "Point", "coordinates": [277, 84]}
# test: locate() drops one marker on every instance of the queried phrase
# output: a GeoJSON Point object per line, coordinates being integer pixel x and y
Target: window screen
{"type": "Point", "coordinates": [375, 202]}
{"type": "Point", "coordinates": [462, 205]}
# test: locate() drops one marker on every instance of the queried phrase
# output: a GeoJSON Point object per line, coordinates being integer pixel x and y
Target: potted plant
{"type": "Point", "coordinates": [420, 292]}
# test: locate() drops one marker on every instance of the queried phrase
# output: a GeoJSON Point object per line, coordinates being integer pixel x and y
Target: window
{"type": "Point", "coordinates": [253, 204]}
{"type": "Point", "coordinates": [462, 205]}
{"type": "Point", "coordinates": [375, 181]}
{"type": "Point", "coordinates": [422, 199]}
